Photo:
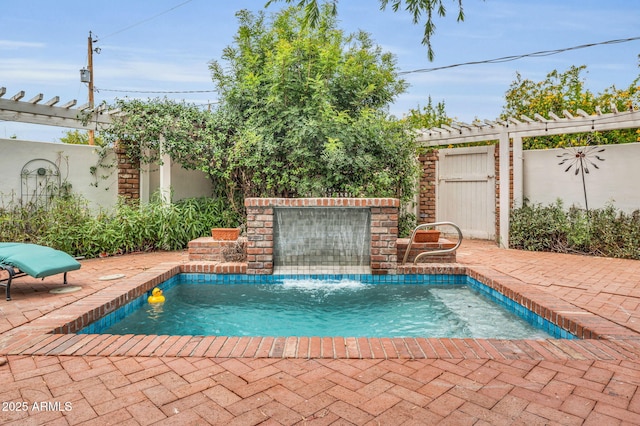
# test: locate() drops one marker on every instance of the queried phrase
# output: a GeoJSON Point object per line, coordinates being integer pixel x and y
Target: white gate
{"type": "Point", "coordinates": [465, 190]}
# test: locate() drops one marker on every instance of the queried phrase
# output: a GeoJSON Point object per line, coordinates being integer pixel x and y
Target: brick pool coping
{"type": "Point", "coordinates": [53, 333]}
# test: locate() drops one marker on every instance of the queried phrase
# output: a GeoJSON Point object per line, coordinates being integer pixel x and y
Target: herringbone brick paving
{"type": "Point", "coordinates": [470, 382]}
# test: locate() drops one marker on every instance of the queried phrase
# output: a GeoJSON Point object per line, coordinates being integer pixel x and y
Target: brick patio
{"type": "Point", "coordinates": [187, 380]}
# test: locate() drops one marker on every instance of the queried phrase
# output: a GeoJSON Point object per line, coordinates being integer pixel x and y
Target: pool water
{"type": "Point", "coordinates": [314, 307]}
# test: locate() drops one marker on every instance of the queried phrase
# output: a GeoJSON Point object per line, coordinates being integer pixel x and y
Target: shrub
{"type": "Point", "coordinates": [538, 228]}
{"type": "Point", "coordinates": [601, 232]}
{"type": "Point", "coordinates": [615, 234]}
{"type": "Point", "coordinates": [301, 111]}
{"type": "Point", "coordinates": [70, 226]}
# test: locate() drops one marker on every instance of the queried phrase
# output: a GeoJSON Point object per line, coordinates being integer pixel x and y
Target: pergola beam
{"type": "Point", "coordinates": [540, 118]}
{"type": "Point", "coordinates": [36, 99]}
{"type": "Point", "coordinates": [459, 133]}
{"type": "Point", "coordinates": [52, 101]}
{"type": "Point", "coordinates": [555, 117]}
{"type": "Point", "coordinates": [18, 96]}
{"type": "Point", "coordinates": [33, 112]}
{"type": "Point", "coordinates": [69, 104]}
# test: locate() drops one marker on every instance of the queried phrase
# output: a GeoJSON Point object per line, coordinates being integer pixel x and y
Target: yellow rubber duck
{"type": "Point", "coordinates": [156, 296]}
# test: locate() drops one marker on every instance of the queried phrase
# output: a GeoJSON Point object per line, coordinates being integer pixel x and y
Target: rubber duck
{"type": "Point", "coordinates": [156, 296]}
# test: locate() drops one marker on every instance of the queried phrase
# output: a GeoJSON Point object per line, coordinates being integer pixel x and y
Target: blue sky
{"type": "Point", "coordinates": [43, 45]}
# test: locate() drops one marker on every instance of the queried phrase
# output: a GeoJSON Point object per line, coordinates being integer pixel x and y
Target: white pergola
{"type": "Point", "coordinates": [514, 130]}
{"type": "Point", "coordinates": [49, 113]}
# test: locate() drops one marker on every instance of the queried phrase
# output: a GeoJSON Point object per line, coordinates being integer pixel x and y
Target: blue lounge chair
{"type": "Point", "coordinates": [20, 259]}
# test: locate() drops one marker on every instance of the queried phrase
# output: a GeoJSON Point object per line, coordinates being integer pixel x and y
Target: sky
{"type": "Point", "coordinates": [166, 46]}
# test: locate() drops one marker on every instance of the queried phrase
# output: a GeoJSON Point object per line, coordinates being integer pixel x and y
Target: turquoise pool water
{"type": "Point", "coordinates": [353, 306]}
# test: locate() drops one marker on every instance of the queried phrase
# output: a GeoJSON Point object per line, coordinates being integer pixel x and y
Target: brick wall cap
{"type": "Point", "coordinates": [321, 202]}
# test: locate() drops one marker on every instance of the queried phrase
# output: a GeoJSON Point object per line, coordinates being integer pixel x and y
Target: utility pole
{"type": "Point", "coordinates": [90, 68]}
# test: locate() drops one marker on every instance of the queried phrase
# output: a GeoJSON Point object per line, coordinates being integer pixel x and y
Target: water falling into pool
{"type": "Point", "coordinates": [322, 240]}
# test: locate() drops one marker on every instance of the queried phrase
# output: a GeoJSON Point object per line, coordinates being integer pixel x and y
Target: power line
{"type": "Point", "coordinates": [423, 70]}
{"type": "Point", "coordinates": [147, 20]}
{"type": "Point", "coordinates": [516, 57]}
{"type": "Point", "coordinates": [154, 91]}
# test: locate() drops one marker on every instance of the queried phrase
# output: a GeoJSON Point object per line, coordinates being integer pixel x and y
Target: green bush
{"type": "Point", "coordinates": [600, 232]}
{"type": "Point", "coordinates": [615, 234]}
{"type": "Point", "coordinates": [538, 228]}
{"type": "Point", "coordinates": [69, 225]}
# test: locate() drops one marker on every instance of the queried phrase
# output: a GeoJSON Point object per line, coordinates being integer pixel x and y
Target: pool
{"type": "Point", "coordinates": [417, 305]}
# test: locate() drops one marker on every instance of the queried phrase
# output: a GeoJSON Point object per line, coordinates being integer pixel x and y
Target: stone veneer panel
{"type": "Point", "coordinates": [384, 229]}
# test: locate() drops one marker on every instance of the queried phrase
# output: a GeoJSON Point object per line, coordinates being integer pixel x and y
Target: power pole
{"type": "Point", "coordinates": [90, 68]}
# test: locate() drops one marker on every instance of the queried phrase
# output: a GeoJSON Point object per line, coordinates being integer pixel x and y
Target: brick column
{"type": "Point", "coordinates": [384, 237]}
{"type": "Point", "coordinates": [259, 235]}
{"type": "Point", "coordinates": [128, 176]}
{"type": "Point", "coordinates": [427, 197]}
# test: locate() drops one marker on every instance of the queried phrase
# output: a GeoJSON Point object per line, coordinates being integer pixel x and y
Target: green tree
{"type": "Point", "coordinates": [303, 112]}
{"type": "Point", "coordinates": [428, 116]}
{"type": "Point", "coordinates": [310, 107]}
{"type": "Point", "coordinates": [415, 7]}
{"type": "Point", "coordinates": [561, 91]}
{"type": "Point", "coordinates": [76, 137]}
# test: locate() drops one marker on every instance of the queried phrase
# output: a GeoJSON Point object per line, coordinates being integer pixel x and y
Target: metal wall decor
{"type": "Point", "coordinates": [581, 158]}
{"type": "Point", "coordinates": [40, 182]}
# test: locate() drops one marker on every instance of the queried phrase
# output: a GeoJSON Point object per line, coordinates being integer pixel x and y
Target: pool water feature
{"type": "Point", "coordinates": [322, 235]}
{"type": "Point", "coordinates": [318, 239]}
{"type": "Point", "coordinates": [348, 306]}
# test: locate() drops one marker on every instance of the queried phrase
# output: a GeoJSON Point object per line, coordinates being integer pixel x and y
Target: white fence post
{"type": "Point", "coordinates": [518, 170]}
{"type": "Point", "coordinates": [165, 174]}
{"type": "Point", "coordinates": [504, 189]}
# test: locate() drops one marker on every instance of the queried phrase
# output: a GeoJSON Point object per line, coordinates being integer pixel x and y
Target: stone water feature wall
{"type": "Point", "coordinates": [382, 235]}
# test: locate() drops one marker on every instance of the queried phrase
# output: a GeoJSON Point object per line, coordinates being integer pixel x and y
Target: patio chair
{"type": "Point", "coordinates": [20, 259]}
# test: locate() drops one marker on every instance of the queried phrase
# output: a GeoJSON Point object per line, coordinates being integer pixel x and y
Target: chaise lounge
{"type": "Point", "coordinates": [20, 259]}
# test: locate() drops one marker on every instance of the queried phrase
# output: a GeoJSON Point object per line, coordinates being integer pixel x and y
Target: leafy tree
{"type": "Point", "coordinates": [311, 110]}
{"type": "Point", "coordinates": [415, 7]}
{"type": "Point", "coordinates": [303, 112]}
{"type": "Point", "coordinates": [76, 137]}
{"type": "Point", "coordinates": [562, 91]}
{"type": "Point", "coordinates": [427, 116]}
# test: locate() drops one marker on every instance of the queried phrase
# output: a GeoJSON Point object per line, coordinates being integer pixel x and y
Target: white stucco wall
{"type": "Point", "coordinates": [74, 162]}
{"type": "Point", "coordinates": [184, 183]}
{"type": "Point", "coordinates": [616, 182]}
{"type": "Point", "coordinates": [189, 183]}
